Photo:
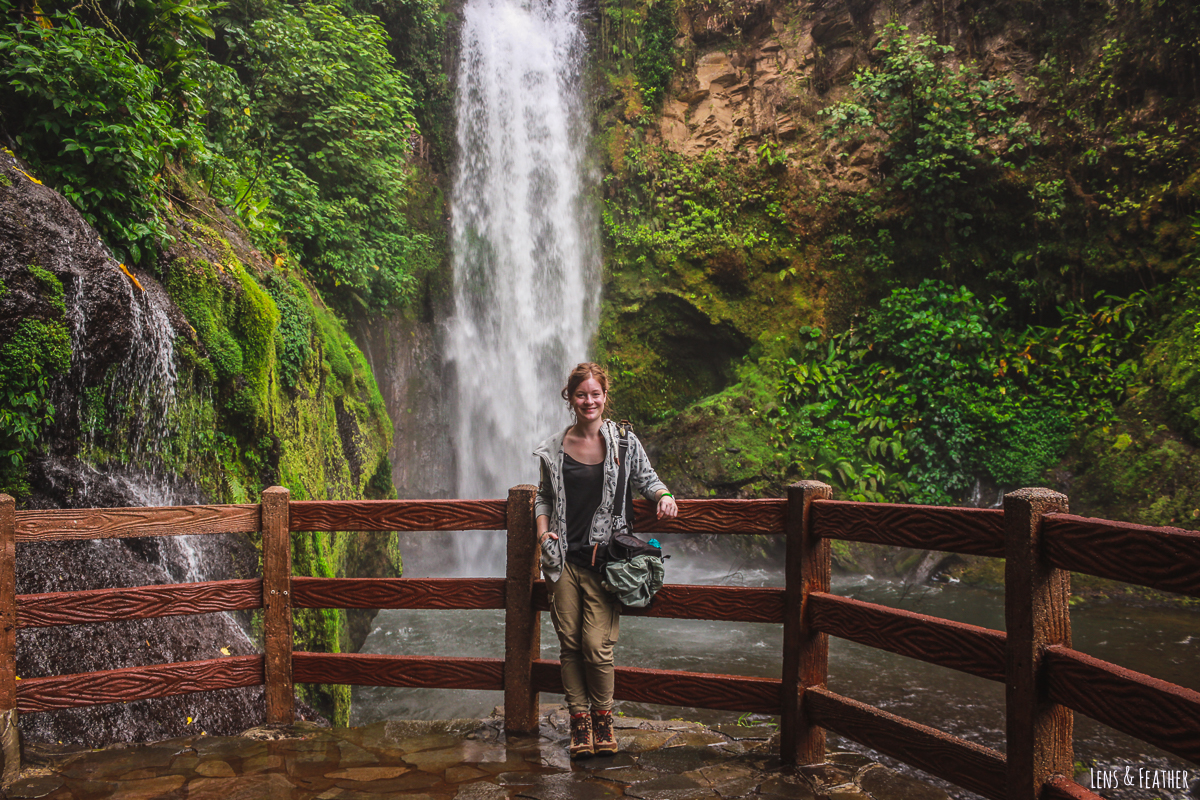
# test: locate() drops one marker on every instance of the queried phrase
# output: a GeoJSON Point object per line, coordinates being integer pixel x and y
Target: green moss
{"type": "Point", "coordinates": [333, 339]}
{"type": "Point", "coordinates": [52, 288]}
{"type": "Point", "coordinates": [296, 324]}
{"type": "Point", "coordinates": [37, 350]}
{"type": "Point", "coordinates": [380, 486]}
{"type": "Point", "coordinates": [255, 321]}
{"type": "Point", "coordinates": [236, 321]}
{"type": "Point", "coordinates": [723, 445]}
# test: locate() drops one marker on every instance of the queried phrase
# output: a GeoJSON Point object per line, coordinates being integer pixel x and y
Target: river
{"type": "Point", "coordinates": [1161, 641]}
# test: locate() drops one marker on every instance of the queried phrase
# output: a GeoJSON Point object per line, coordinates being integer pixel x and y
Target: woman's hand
{"type": "Point", "coordinates": [667, 507]}
{"type": "Point", "coordinates": [543, 530]}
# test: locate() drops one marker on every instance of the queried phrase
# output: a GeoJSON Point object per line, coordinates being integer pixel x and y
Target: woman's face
{"type": "Point", "coordinates": [587, 401]}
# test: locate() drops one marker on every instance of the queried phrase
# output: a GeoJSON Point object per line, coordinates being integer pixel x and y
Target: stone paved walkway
{"type": "Point", "coordinates": [459, 760]}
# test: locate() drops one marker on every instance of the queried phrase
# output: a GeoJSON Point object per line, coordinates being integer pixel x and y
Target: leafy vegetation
{"type": "Point", "coordinates": [945, 129]}
{"type": "Point", "coordinates": [932, 391]}
{"type": "Point", "coordinates": [86, 110]}
{"type": "Point", "coordinates": [38, 350]}
{"type": "Point", "coordinates": [294, 116]}
{"type": "Point", "coordinates": [326, 137]}
{"type": "Point", "coordinates": [1053, 212]}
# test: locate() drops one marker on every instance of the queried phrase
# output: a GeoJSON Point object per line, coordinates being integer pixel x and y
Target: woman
{"type": "Point", "coordinates": [575, 515]}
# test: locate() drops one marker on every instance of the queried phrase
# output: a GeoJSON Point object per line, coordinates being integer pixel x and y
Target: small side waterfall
{"type": "Point", "coordinates": [129, 403]}
{"type": "Point", "coordinates": [525, 251]}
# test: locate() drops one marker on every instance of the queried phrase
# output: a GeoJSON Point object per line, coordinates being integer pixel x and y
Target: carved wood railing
{"type": "Point", "coordinates": [1045, 679]}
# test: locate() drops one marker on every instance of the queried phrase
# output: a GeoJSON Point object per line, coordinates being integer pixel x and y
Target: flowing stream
{"type": "Point", "coordinates": [1163, 642]}
{"type": "Point", "coordinates": [526, 273]}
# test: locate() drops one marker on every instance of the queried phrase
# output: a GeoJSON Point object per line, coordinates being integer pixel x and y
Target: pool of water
{"type": "Point", "coordinates": [1163, 642]}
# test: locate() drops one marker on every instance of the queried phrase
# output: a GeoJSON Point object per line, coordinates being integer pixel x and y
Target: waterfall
{"type": "Point", "coordinates": [524, 239]}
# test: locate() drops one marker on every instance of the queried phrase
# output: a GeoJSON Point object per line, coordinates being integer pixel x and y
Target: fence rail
{"type": "Point", "coordinates": [1046, 681]}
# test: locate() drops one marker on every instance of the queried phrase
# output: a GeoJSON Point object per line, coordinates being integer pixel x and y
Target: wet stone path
{"type": "Point", "coordinates": [456, 760]}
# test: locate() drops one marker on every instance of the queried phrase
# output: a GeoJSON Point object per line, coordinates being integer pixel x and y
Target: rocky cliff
{"type": "Point", "coordinates": [737, 212]}
{"type": "Point", "coordinates": [218, 377]}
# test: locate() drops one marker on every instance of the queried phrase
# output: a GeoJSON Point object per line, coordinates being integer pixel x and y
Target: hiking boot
{"type": "Point", "coordinates": [581, 735]}
{"type": "Point", "coordinates": [603, 741]}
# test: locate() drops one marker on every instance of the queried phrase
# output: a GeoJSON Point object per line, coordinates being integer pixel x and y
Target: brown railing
{"type": "Point", "coordinates": [1045, 679]}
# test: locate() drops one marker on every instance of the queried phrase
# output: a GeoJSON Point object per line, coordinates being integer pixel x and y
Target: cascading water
{"type": "Point", "coordinates": [524, 245]}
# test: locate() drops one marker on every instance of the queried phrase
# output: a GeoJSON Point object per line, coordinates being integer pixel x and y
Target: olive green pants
{"type": "Point", "coordinates": [587, 620]}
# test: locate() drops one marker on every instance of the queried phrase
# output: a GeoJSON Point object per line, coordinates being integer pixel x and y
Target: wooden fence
{"type": "Point", "coordinates": [1045, 679]}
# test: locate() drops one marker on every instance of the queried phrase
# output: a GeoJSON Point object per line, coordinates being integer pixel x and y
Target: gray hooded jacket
{"type": "Point", "coordinates": [552, 503]}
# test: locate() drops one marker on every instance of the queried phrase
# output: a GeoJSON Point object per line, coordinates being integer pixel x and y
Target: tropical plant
{"type": "Point", "coordinates": [930, 392]}
{"type": "Point", "coordinates": [940, 126]}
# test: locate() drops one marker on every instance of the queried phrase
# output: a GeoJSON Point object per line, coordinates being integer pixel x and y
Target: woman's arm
{"type": "Point", "coordinates": [543, 529]}
{"type": "Point", "coordinates": [646, 480]}
{"type": "Point", "coordinates": [544, 505]}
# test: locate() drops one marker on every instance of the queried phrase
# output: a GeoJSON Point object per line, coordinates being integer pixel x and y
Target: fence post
{"type": "Point", "coordinates": [10, 740]}
{"type": "Point", "coordinates": [1037, 614]}
{"type": "Point", "coordinates": [522, 631]}
{"type": "Point", "coordinates": [277, 605]}
{"type": "Point", "coordinates": [805, 651]}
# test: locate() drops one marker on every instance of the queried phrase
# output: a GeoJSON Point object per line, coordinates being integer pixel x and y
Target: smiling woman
{"type": "Point", "coordinates": [577, 505]}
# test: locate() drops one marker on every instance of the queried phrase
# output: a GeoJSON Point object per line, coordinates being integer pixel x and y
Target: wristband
{"type": "Point", "coordinates": [666, 494]}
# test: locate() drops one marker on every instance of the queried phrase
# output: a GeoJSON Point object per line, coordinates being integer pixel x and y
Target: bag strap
{"type": "Point", "coordinates": [619, 502]}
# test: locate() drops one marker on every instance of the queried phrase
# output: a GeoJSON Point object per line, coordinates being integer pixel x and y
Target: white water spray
{"type": "Point", "coordinates": [525, 253]}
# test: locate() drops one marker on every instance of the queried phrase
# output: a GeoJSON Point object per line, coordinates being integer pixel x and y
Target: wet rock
{"type": "Point", "coordinates": [627, 775]}
{"type": "Point", "coordinates": [602, 763]}
{"type": "Point", "coordinates": [437, 760]}
{"type": "Point", "coordinates": [671, 787]}
{"type": "Point", "coordinates": [367, 773]}
{"type": "Point", "coordinates": [215, 769]}
{"type": "Point", "coordinates": [330, 765]}
{"type": "Point", "coordinates": [121, 340]}
{"type": "Point", "coordinates": [730, 780]}
{"type": "Point", "coordinates": [787, 787]}
{"type": "Point", "coordinates": [695, 738]}
{"type": "Point", "coordinates": [513, 761]}
{"type": "Point", "coordinates": [747, 733]}
{"type": "Point", "coordinates": [255, 787]}
{"type": "Point", "coordinates": [481, 791]}
{"type": "Point", "coordinates": [150, 787]}
{"type": "Point", "coordinates": [679, 759]}
{"type": "Point", "coordinates": [854, 760]}
{"type": "Point", "coordinates": [269, 733]}
{"type": "Point", "coordinates": [637, 741]}
{"type": "Point", "coordinates": [554, 756]}
{"type": "Point", "coordinates": [262, 763]}
{"type": "Point", "coordinates": [35, 786]}
{"type": "Point", "coordinates": [517, 779]}
{"type": "Point", "coordinates": [231, 747]}
{"type": "Point", "coordinates": [405, 783]}
{"type": "Point", "coordinates": [625, 723]}
{"type": "Point", "coordinates": [463, 773]}
{"type": "Point", "coordinates": [827, 775]}
{"type": "Point", "coordinates": [563, 786]}
{"type": "Point", "coordinates": [351, 755]}
{"type": "Point", "coordinates": [414, 729]}
{"type": "Point", "coordinates": [846, 793]}
{"type": "Point", "coordinates": [882, 783]}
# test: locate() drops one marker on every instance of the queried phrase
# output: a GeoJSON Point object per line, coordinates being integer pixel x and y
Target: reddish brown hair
{"type": "Point", "coordinates": [588, 369]}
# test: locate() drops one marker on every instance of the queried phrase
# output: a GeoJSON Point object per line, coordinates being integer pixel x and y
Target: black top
{"type": "Point", "coordinates": [583, 485]}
